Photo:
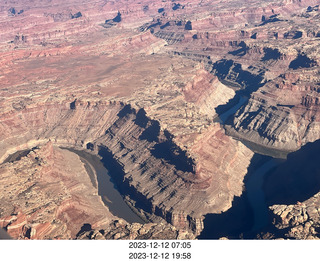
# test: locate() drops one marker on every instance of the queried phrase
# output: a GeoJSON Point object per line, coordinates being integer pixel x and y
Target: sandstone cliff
{"type": "Point", "coordinates": [212, 169]}
{"type": "Point", "coordinates": [292, 193]}
{"type": "Point", "coordinates": [140, 83]}
{"type": "Point", "coordinates": [283, 114]}
{"type": "Point", "coordinates": [48, 195]}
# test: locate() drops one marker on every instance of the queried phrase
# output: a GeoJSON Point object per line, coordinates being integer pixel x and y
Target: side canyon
{"type": "Point", "coordinates": [183, 103]}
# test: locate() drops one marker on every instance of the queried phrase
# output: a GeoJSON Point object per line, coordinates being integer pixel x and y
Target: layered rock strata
{"type": "Point", "coordinates": [48, 195]}
{"type": "Point", "coordinates": [69, 69]}
{"type": "Point", "coordinates": [284, 114]}
{"type": "Point", "coordinates": [299, 221]}
{"type": "Point", "coordinates": [292, 193]}
{"type": "Point", "coordinates": [121, 230]}
{"type": "Point", "coordinates": [265, 39]}
{"type": "Point", "coordinates": [179, 185]}
{"type": "Point", "coordinates": [207, 92]}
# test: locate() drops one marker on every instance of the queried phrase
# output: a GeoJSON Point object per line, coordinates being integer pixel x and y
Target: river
{"type": "Point", "coordinates": [256, 196]}
{"type": "Point", "coordinates": [4, 234]}
{"type": "Point", "coordinates": [254, 184]}
{"type": "Point", "coordinates": [100, 178]}
{"type": "Point", "coordinates": [110, 196]}
{"type": "Point", "coordinates": [224, 116]}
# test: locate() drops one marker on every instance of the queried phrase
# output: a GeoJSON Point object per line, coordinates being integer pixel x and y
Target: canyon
{"type": "Point", "coordinates": [177, 99]}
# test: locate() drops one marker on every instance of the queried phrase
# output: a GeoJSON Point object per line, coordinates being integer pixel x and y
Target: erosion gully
{"type": "Point", "coordinates": [251, 205]}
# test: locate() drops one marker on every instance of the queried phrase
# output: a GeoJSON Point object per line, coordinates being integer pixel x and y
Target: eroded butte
{"type": "Point", "coordinates": [167, 93]}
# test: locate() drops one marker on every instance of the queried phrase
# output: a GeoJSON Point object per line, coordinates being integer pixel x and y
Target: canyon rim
{"type": "Point", "coordinates": [190, 109]}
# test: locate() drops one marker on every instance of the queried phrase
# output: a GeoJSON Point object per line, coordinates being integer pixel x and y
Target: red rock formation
{"type": "Point", "coordinates": [207, 92]}
{"type": "Point", "coordinates": [291, 98]}
{"type": "Point", "coordinates": [68, 68]}
{"type": "Point", "coordinates": [166, 181]}
{"type": "Point", "coordinates": [49, 195]}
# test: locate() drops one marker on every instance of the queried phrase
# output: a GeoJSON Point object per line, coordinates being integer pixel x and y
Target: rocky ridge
{"type": "Point", "coordinates": [49, 195]}
{"type": "Point", "coordinates": [63, 67]}
{"type": "Point", "coordinates": [275, 118]}
{"type": "Point", "coordinates": [140, 148]}
{"type": "Point", "coordinates": [292, 194]}
{"type": "Point", "coordinates": [121, 230]}
{"type": "Point", "coordinates": [299, 221]}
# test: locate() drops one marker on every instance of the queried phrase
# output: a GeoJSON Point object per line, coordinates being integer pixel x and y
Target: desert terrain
{"type": "Point", "coordinates": [205, 114]}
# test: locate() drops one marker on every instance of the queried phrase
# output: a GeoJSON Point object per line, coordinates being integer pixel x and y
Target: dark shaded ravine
{"type": "Point", "coordinates": [249, 212]}
{"type": "Point", "coordinates": [99, 176]}
{"type": "Point", "coordinates": [256, 194]}
{"type": "Point", "coordinates": [4, 234]}
{"type": "Point", "coordinates": [270, 181]}
{"type": "Point", "coordinates": [235, 105]}
{"type": "Point", "coordinates": [297, 179]}
{"type": "Point", "coordinates": [16, 156]}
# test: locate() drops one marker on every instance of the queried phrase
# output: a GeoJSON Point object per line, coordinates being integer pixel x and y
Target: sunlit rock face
{"type": "Point", "coordinates": [282, 114]}
{"type": "Point", "coordinates": [179, 185]}
{"type": "Point", "coordinates": [48, 195]}
{"type": "Point", "coordinates": [143, 84]}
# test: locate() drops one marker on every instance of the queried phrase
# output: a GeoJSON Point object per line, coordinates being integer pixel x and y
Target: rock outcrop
{"type": "Point", "coordinates": [299, 221]}
{"type": "Point", "coordinates": [284, 114]}
{"type": "Point", "coordinates": [48, 195]}
{"type": "Point", "coordinates": [124, 231]}
{"type": "Point", "coordinates": [292, 193]}
{"type": "Point", "coordinates": [140, 83]}
{"type": "Point", "coordinates": [179, 185]}
{"type": "Point", "coordinates": [207, 92]}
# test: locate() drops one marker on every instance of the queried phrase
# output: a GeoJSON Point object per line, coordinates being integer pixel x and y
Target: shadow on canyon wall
{"type": "Point", "coordinates": [231, 224]}
{"type": "Point", "coordinates": [297, 179]}
{"type": "Point", "coordinates": [171, 153]}
{"type": "Point", "coordinates": [232, 75]}
{"type": "Point", "coordinates": [302, 61]}
{"type": "Point", "coordinates": [235, 223]}
{"type": "Point", "coordinates": [270, 54]}
{"type": "Point", "coordinates": [164, 147]}
{"type": "Point", "coordinates": [117, 173]}
{"type": "Point", "coordinates": [294, 180]}
{"type": "Point", "coordinates": [4, 235]}
{"type": "Point", "coordinates": [85, 228]}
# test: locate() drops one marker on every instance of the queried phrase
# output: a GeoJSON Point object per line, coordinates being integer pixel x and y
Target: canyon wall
{"type": "Point", "coordinates": [49, 195]}
{"type": "Point", "coordinates": [145, 153]}
{"type": "Point", "coordinates": [283, 114]}
{"type": "Point", "coordinates": [292, 194]}
{"type": "Point", "coordinates": [141, 84]}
